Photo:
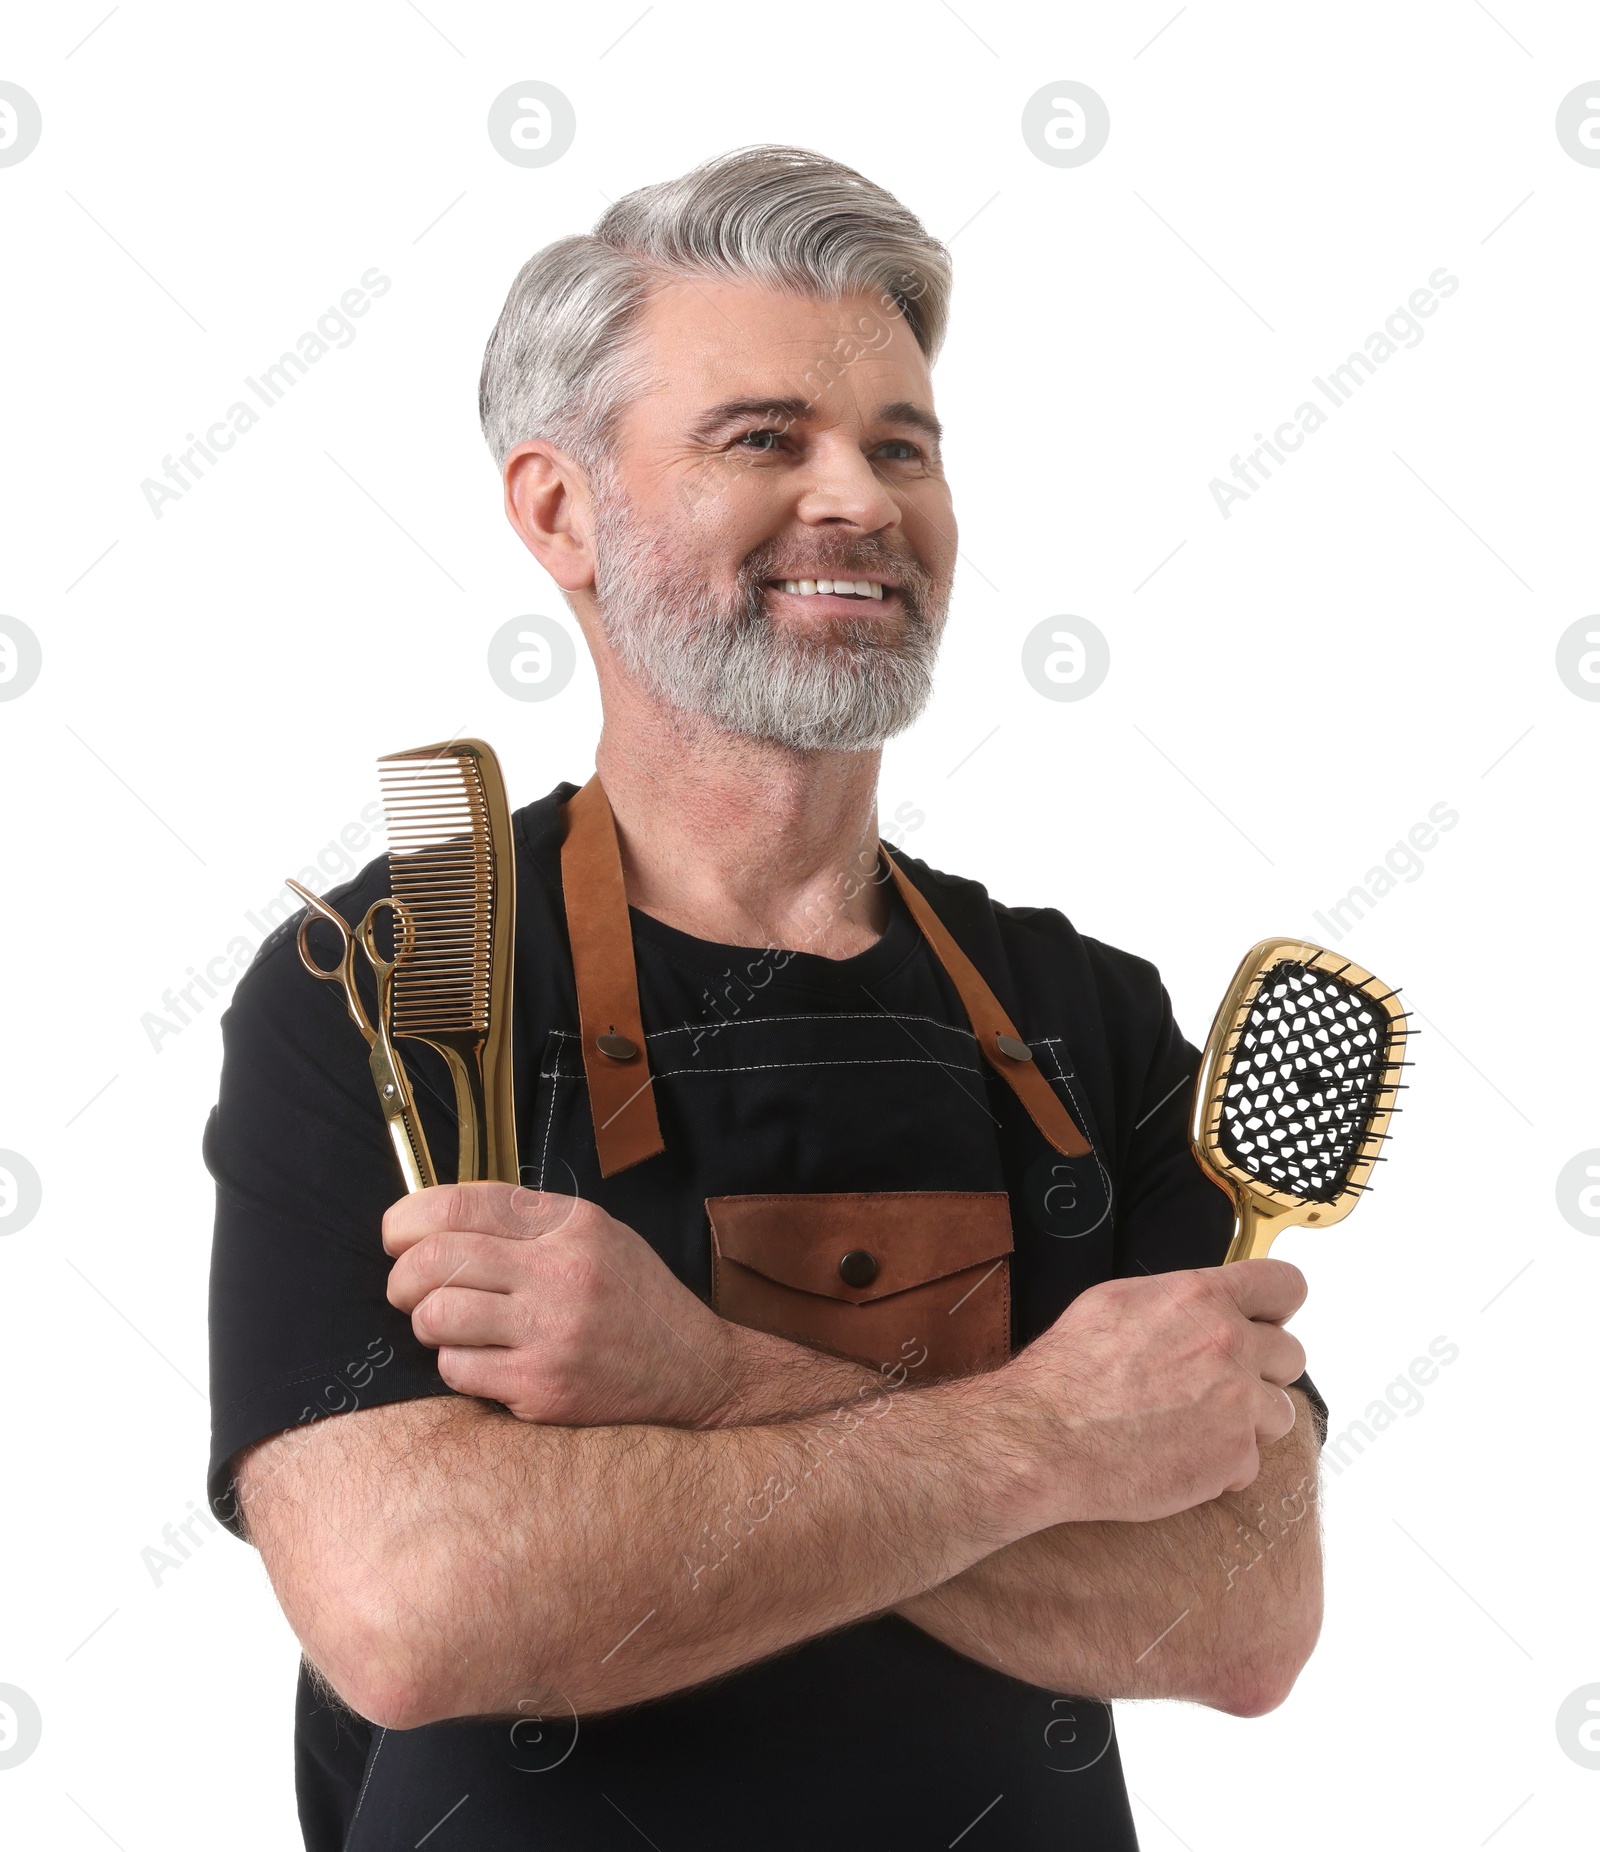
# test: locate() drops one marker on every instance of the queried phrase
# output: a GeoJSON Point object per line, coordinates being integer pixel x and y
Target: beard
{"type": "Point", "coordinates": [844, 685]}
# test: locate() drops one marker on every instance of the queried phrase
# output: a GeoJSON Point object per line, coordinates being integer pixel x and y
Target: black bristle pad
{"type": "Point", "coordinates": [1303, 1082]}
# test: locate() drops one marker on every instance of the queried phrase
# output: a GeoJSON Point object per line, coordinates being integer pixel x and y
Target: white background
{"type": "Point", "coordinates": [1372, 633]}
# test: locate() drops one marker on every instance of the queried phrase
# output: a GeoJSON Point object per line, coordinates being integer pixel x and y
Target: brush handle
{"type": "Point", "coordinates": [1256, 1227]}
{"type": "Point", "coordinates": [1253, 1233]}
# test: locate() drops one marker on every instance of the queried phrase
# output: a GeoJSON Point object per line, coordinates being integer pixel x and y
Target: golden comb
{"type": "Point", "coordinates": [452, 868]}
{"type": "Point", "coordinates": [1296, 1089]}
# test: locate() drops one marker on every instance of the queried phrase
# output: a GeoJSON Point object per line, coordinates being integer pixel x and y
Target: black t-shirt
{"type": "Point", "coordinates": [773, 1071]}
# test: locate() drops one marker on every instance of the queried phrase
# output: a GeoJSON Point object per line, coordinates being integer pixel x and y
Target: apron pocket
{"type": "Point", "coordinates": [919, 1278]}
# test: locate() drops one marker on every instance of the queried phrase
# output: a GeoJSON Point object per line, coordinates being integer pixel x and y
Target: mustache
{"type": "Point", "coordinates": [847, 559]}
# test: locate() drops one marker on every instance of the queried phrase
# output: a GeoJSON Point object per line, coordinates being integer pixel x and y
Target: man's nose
{"type": "Point", "coordinates": [842, 485]}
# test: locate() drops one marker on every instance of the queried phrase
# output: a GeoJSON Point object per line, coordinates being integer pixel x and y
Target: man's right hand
{"type": "Point", "coordinates": [1151, 1395]}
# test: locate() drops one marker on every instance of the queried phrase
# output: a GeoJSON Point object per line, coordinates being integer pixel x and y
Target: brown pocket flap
{"type": "Point", "coordinates": [913, 1236]}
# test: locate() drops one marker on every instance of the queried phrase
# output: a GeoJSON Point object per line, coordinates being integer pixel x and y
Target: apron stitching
{"type": "Point", "coordinates": [762, 1067]}
{"type": "Point", "coordinates": [754, 1022]}
{"type": "Point", "coordinates": [377, 1747]}
{"type": "Point", "coordinates": [550, 1114]}
{"type": "Point", "coordinates": [1053, 1043]}
{"type": "Point", "coordinates": [778, 1067]}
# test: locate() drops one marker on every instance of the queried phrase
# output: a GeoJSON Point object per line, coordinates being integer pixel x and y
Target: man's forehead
{"type": "Point", "coordinates": [712, 342]}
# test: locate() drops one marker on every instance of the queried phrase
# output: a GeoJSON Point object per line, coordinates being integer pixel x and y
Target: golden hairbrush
{"type": "Point", "coordinates": [452, 869]}
{"type": "Point", "coordinates": [1296, 1089]}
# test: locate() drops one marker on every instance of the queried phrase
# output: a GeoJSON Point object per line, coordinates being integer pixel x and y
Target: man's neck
{"type": "Point", "coordinates": [742, 842]}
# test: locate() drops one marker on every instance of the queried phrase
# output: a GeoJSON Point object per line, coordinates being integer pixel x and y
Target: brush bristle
{"type": "Point", "coordinates": [1304, 1082]}
{"type": "Point", "coordinates": [442, 871]}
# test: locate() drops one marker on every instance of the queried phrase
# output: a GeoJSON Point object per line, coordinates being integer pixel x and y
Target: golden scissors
{"type": "Point", "coordinates": [394, 1089]}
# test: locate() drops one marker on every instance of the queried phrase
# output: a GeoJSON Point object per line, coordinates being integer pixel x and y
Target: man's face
{"type": "Point", "coordinates": [784, 441]}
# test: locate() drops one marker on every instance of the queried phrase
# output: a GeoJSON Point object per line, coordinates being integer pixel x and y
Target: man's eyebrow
{"type": "Point", "coordinates": [789, 411]}
{"type": "Point", "coordinates": [903, 411]}
{"type": "Point", "coordinates": [794, 411]}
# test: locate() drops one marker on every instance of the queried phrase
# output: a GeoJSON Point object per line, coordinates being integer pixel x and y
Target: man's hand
{"type": "Point", "coordinates": [1162, 1391]}
{"type": "Point", "coordinates": [557, 1310]}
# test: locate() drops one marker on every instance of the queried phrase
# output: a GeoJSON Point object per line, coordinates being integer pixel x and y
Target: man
{"type": "Point", "coordinates": [851, 1403]}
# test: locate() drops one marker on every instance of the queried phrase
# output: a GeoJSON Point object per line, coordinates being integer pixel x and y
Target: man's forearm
{"type": "Point", "coordinates": [497, 1566]}
{"type": "Point", "coordinates": [1219, 1604]}
{"type": "Point", "coordinates": [772, 1379]}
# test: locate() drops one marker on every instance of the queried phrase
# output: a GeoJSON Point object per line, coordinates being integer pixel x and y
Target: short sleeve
{"type": "Point", "coordinates": [1172, 1215]}
{"type": "Point", "coordinates": [297, 1146]}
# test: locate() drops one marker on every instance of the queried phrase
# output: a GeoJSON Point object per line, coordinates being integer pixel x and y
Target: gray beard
{"type": "Point", "coordinates": [844, 690]}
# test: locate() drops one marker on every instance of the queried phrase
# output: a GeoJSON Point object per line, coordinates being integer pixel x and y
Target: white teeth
{"type": "Point", "coordinates": [859, 588]}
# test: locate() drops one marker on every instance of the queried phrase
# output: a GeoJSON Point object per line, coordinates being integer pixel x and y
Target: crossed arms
{"type": "Point", "coordinates": [630, 1496]}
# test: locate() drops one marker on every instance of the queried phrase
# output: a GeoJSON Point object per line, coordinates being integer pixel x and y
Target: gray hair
{"type": "Point", "coordinates": [561, 363]}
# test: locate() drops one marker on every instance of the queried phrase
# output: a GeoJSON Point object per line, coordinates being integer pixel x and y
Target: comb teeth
{"type": "Point", "coordinates": [441, 869]}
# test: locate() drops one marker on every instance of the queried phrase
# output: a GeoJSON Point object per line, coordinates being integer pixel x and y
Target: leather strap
{"type": "Point", "coordinates": [626, 1130]}
{"type": "Point", "coordinates": [621, 1102]}
{"type": "Point", "coordinates": [990, 1022]}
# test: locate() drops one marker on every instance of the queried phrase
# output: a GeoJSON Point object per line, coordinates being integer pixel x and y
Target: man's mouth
{"type": "Point", "coordinates": [866, 590]}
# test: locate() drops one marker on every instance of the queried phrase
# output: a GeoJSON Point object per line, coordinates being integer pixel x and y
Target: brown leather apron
{"type": "Point", "coordinates": [913, 1278]}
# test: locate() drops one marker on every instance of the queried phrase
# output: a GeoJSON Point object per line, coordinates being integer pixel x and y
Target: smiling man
{"type": "Point", "coordinates": [850, 1404]}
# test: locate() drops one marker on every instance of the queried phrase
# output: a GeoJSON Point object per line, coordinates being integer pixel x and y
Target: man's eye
{"type": "Point", "coordinates": [766, 438]}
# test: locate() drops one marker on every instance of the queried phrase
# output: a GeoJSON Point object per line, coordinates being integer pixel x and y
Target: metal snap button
{"type": "Point", "coordinates": [1009, 1045]}
{"type": "Point", "coordinates": [617, 1046]}
{"type": "Point", "coordinates": [858, 1268]}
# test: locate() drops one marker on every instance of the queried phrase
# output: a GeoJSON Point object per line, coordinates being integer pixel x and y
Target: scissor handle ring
{"type": "Point", "coordinates": [317, 909]}
{"type": "Point", "coordinates": [408, 933]}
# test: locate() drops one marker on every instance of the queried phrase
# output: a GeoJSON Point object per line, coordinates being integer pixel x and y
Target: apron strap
{"type": "Point", "coordinates": [1006, 1052]}
{"type": "Point", "coordinates": [615, 1061]}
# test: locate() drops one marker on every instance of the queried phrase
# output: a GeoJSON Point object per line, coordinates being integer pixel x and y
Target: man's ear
{"type": "Point", "coordinates": [549, 503]}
